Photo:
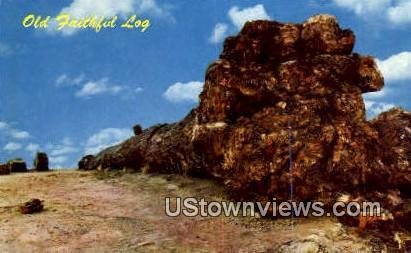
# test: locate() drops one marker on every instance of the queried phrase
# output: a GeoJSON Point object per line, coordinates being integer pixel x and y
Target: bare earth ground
{"type": "Point", "coordinates": [96, 212]}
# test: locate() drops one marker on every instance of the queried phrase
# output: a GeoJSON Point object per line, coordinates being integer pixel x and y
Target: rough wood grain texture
{"type": "Point", "coordinates": [279, 88]}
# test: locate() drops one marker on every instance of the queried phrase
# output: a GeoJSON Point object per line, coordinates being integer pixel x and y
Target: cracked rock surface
{"type": "Point", "coordinates": [281, 89]}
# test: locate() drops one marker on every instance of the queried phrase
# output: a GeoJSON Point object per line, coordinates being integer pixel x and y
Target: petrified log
{"type": "Point", "coordinates": [31, 206]}
{"type": "Point", "coordinates": [4, 169]}
{"type": "Point", "coordinates": [282, 111]}
{"type": "Point", "coordinates": [17, 165]}
{"type": "Point", "coordinates": [41, 162]}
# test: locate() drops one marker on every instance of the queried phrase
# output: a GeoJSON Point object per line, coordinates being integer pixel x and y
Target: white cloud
{"type": "Point", "coordinates": [12, 146]}
{"type": "Point", "coordinates": [61, 154]}
{"type": "Point", "coordinates": [238, 17]}
{"type": "Point", "coordinates": [401, 13]}
{"type": "Point", "coordinates": [219, 33]}
{"type": "Point", "coordinates": [12, 132]}
{"type": "Point", "coordinates": [33, 147]}
{"type": "Point", "coordinates": [396, 12]}
{"type": "Point", "coordinates": [65, 80]}
{"type": "Point", "coordinates": [184, 92]}
{"type": "Point", "coordinates": [381, 107]}
{"type": "Point", "coordinates": [362, 7]}
{"type": "Point", "coordinates": [17, 134]}
{"type": "Point", "coordinates": [101, 86]}
{"type": "Point", "coordinates": [88, 88]}
{"type": "Point", "coordinates": [368, 104]}
{"type": "Point", "coordinates": [62, 79]}
{"type": "Point", "coordinates": [151, 7]}
{"type": "Point", "coordinates": [67, 141]}
{"type": "Point", "coordinates": [106, 138]}
{"type": "Point", "coordinates": [396, 67]}
{"type": "Point", "coordinates": [81, 8]}
{"type": "Point", "coordinates": [63, 150]}
{"type": "Point", "coordinates": [376, 94]}
{"type": "Point", "coordinates": [108, 8]}
{"type": "Point", "coordinates": [57, 160]}
{"type": "Point", "coordinates": [374, 108]}
{"type": "Point", "coordinates": [65, 147]}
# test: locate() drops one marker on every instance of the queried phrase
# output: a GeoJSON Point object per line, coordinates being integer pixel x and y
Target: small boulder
{"type": "Point", "coordinates": [31, 206]}
{"type": "Point", "coordinates": [17, 165]}
{"type": "Point", "coordinates": [137, 129]}
{"type": "Point", "coordinates": [85, 163]}
{"type": "Point", "coordinates": [4, 169]}
{"type": "Point", "coordinates": [41, 162]}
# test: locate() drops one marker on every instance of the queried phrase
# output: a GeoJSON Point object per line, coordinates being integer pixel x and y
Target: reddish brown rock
{"type": "Point", "coordinates": [31, 206]}
{"type": "Point", "coordinates": [41, 162]}
{"type": "Point", "coordinates": [17, 165]}
{"type": "Point", "coordinates": [4, 169]}
{"type": "Point", "coordinates": [137, 129]}
{"type": "Point", "coordinates": [283, 94]}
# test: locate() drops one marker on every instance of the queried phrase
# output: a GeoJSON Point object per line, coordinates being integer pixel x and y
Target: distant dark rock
{"type": "Point", "coordinates": [4, 169]}
{"type": "Point", "coordinates": [137, 129]}
{"type": "Point", "coordinates": [41, 162]}
{"type": "Point", "coordinates": [17, 165]}
{"type": "Point", "coordinates": [84, 163]}
{"type": "Point", "coordinates": [32, 206]}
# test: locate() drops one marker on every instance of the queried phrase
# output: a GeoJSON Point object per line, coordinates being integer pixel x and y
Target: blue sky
{"type": "Point", "coordinates": [70, 93]}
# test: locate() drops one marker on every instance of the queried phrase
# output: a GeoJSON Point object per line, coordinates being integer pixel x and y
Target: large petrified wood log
{"type": "Point", "coordinates": [41, 162]}
{"type": "Point", "coordinates": [282, 92]}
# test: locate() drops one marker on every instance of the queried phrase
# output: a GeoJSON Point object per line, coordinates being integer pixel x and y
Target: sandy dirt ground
{"type": "Point", "coordinates": [122, 212]}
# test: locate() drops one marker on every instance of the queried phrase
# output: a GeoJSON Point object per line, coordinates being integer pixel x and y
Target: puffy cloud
{"type": "Point", "coordinates": [12, 146]}
{"type": "Point", "coordinates": [396, 67]}
{"type": "Point", "coordinates": [219, 33]}
{"type": "Point", "coordinates": [63, 150]}
{"type": "Point", "coordinates": [151, 7]}
{"type": "Point", "coordinates": [397, 12]}
{"type": "Point", "coordinates": [183, 92]}
{"type": "Point", "coordinates": [362, 7]}
{"type": "Point", "coordinates": [12, 132]}
{"type": "Point", "coordinates": [17, 134]}
{"type": "Point", "coordinates": [33, 147]}
{"type": "Point", "coordinates": [62, 153]}
{"type": "Point", "coordinates": [401, 13]}
{"type": "Point", "coordinates": [65, 147]}
{"type": "Point", "coordinates": [87, 88]}
{"type": "Point", "coordinates": [108, 8]}
{"type": "Point", "coordinates": [368, 104]}
{"type": "Point", "coordinates": [374, 108]}
{"type": "Point", "coordinates": [57, 161]}
{"type": "Point", "coordinates": [67, 141]}
{"type": "Point", "coordinates": [105, 138]}
{"type": "Point", "coordinates": [238, 17]}
{"type": "Point", "coordinates": [101, 86]}
{"type": "Point", "coordinates": [81, 8]}
{"type": "Point", "coordinates": [65, 80]}
{"type": "Point", "coordinates": [376, 94]}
